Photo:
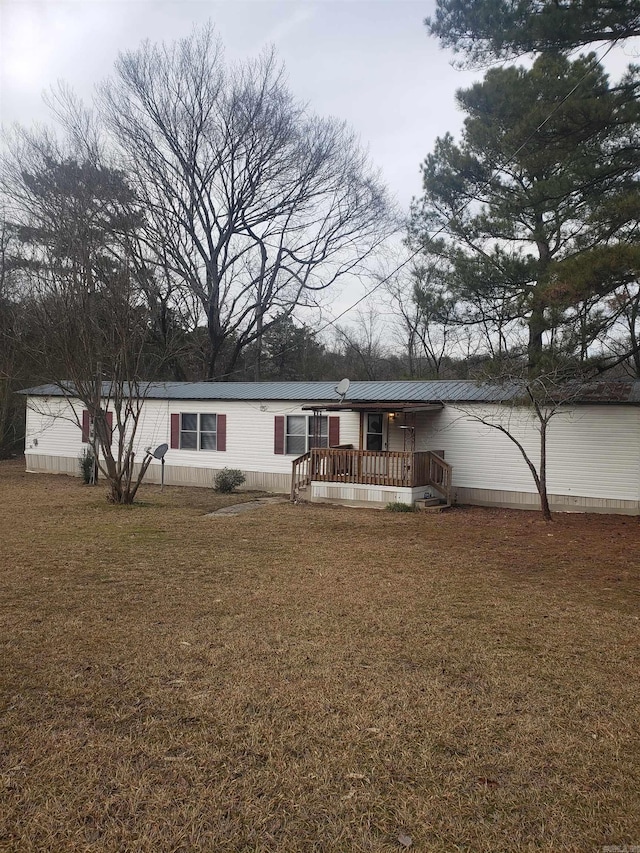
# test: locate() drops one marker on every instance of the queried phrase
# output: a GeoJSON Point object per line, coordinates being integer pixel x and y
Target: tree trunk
{"type": "Point", "coordinates": [258, 344]}
{"type": "Point", "coordinates": [536, 331]}
{"type": "Point", "coordinates": [542, 479]}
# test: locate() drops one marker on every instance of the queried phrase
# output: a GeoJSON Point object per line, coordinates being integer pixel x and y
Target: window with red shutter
{"type": "Point", "coordinates": [87, 422]}
{"type": "Point", "coordinates": [297, 434]}
{"type": "Point", "coordinates": [204, 431]}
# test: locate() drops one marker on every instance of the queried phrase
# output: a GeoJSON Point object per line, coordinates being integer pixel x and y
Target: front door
{"type": "Point", "coordinates": [375, 431]}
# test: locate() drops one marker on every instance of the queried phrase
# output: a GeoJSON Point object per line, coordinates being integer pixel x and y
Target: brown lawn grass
{"type": "Point", "coordinates": [310, 678]}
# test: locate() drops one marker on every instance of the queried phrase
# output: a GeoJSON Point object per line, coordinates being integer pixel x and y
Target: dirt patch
{"type": "Point", "coordinates": [248, 506]}
{"type": "Point", "coordinates": [311, 678]}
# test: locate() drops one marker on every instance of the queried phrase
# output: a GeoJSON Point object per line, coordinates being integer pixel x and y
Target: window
{"type": "Point", "coordinates": [296, 435]}
{"type": "Point", "coordinates": [190, 431]}
{"type": "Point", "coordinates": [299, 434]}
{"type": "Point", "coordinates": [198, 432]}
{"type": "Point", "coordinates": [321, 438]}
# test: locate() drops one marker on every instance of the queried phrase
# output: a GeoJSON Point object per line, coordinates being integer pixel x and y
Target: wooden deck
{"type": "Point", "coordinates": [373, 468]}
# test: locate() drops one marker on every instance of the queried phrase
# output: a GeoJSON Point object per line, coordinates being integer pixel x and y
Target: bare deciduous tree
{"type": "Point", "coordinates": [433, 330]}
{"type": "Point", "coordinates": [544, 397]}
{"type": "Point", "coordinates": [74, 220]}
{"type": "Point", "coordinates": [364, 354]}
{"type": "Point", "coordinates": [254, 205]}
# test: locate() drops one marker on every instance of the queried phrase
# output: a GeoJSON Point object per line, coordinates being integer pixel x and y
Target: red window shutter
{"type": "Point", "coordinates": [221, 430]}
{"type": "Point", "coordinates": [334, 431]}
{"type": "Point", "coordinates": [175, 431]}
{"type": "Point", "coordinates": [86, 426]}
{"type": "Point", "coordinates": [278, 435]}
{"type": "Point", "coordinates": [110, 425]}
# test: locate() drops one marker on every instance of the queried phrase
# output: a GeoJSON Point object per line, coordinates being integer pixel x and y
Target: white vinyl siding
{"type": "Point", "coordinates": [592, 451]}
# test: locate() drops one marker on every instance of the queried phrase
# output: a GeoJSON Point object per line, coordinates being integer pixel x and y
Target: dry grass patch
{"type": "Point", "coordinates": [305, 678]}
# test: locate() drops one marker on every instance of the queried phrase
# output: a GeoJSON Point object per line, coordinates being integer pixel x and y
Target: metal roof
{"type": "Point", "coordinates": [401, 392]}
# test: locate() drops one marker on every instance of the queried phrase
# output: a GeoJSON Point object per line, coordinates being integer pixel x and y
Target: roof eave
{"type": "Point", "coordinates": [375, 406]}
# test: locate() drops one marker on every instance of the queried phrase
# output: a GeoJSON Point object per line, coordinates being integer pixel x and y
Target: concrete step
{"type": "Point", "coordinates": [431, 504]}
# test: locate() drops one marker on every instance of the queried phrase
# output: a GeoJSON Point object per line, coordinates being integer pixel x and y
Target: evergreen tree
{"type": "Point", "coordinates": [537, 204]}
{"type": "Point", "coordinates": [486, 30]}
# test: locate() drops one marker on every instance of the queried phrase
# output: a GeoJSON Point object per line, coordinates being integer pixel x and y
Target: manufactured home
{"type": "Point", "coordinates": [369, 443]}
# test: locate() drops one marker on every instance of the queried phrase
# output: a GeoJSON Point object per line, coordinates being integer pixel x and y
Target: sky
{"type": "Point", "coordinates": [369, 62]}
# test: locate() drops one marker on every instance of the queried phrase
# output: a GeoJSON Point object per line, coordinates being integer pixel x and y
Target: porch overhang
{"type": "Point", "coordinates": [406, 408]}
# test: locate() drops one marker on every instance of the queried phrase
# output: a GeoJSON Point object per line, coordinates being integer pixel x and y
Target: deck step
{"type": "Point", "coordinates": [302, 494]}
{"type": "Point", "coordinates": [431, 504]}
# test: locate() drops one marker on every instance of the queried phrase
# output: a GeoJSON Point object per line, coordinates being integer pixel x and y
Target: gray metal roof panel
{"type": "Point", "coordinates": [291, 391]}
{"type": "Point", "coordinates": [422, 391]}
{"type": "Point", "coordinates": [409, 391]}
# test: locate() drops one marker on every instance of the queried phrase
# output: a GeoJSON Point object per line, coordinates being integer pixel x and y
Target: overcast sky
{"type": "Point", "coordinates": [369, 62]}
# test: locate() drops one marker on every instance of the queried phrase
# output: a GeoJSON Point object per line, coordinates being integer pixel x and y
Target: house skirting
{"type": "Point", "coordinates": [357, 494]}
{"type": "Point", "coordinates": [39, 463]}
{"type": "Point", "coordinates": [174, 475]}
{"type": "Point", "coordinates": [529, 500]}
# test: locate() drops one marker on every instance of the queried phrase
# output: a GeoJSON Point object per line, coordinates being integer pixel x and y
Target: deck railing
{"type": "Point", "coordinates": [300, 471]}
{"type": "Point", "coordinates": [371, 467]}
{"type": "Point", "coordinates": [439, 474]}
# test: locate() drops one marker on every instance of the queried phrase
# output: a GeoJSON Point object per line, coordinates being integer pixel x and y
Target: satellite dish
{"type": "Point", "coordinates": [159, 453]}
{"type": "Point", "coordinates": [342, 387]}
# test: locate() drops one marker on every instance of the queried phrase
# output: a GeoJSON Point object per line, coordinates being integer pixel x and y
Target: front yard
{"type": "Point", "coordinates": [311, 678]}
